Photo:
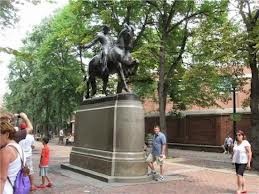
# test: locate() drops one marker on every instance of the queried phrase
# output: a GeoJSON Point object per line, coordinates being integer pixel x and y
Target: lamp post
{"type": "Point", "coordinates": [234, 109]}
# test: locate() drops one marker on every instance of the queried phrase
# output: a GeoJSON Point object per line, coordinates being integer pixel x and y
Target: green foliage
{"type": "Point", "coordinates": [9, 8]}
{"type": "Point", "coordinates": [48, 83]}
{"type": "Point", "coordinates": [48, 87]}
{"type": "Point", "coordinates": [236, 117]}
{"type": "Point", "coordinates": [7, 13]}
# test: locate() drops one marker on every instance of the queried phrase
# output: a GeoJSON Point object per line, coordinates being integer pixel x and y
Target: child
{"type": "Point", "coordinates": [44, 162]}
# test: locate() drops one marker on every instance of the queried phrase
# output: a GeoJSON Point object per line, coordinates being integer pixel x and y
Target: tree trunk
{"type": "Point", "coordinates": [161, 86]}
{"type": "Point", "coordinates": [254, 105]}
{"type": "Point", "coordinates": [47, 116]}
{"type": "Point", "coordinates": [250, 21]}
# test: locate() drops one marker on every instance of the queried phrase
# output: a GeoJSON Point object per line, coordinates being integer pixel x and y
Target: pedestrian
{"type": "Point", "coordinates": [61, 136]}
{"type": "Point", "coordinates": [11, 157]}
{"type": "Point", "coordinates": [27, 145]}
{"type": "Point", "coordinates": [20, 134]}
{"type": "Point", "coordinates": [157, 153]}
{"type": "Point", "coordinates": [241, 157]}
{"type": "Point", "coordinates": [44, 162]}
{"type": "Point", "coordinates": [228, 144]}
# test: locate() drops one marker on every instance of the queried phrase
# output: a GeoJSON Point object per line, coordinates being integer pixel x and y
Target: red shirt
{"type": "Point", "coordinates": [44, 160]}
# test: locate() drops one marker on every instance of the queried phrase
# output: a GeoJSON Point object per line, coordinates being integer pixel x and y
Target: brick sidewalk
{"type": "Point", "coordinates": [180, 178]}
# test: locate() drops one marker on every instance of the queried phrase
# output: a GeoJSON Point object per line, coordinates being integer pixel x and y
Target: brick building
{"type": "Point", "coordinates": [202, 126]}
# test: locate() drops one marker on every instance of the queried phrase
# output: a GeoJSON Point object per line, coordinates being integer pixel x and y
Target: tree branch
{"type": "Point", "coordinates": [20, 74]}
{"type": "Point", "coordinates": [249, 10]}
{"type": "Point", "coordinates": [256, 16]}
{"type": "Point", "coordinates": [171, 14]}
{"type": "Point", "coordinates": [184, 19]}
{"type": "Point", "coordinates": [127, 18]}
{"type": "Point", "coordinates": [142, 28]}
{"type": "Point", "coordinates": [242, 13]}
{"type": "Point", "coordinates": [182, 49]}
{"type": "Point", "coordinates": [115, 18]}
{"type": "Point", "coordinates": [154, 4]}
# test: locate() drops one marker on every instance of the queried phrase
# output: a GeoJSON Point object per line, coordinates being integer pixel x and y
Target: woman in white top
{"type": "Point", "coordinates": [242, 155]}
{"type": "Point", "coordinates": [10, 162]}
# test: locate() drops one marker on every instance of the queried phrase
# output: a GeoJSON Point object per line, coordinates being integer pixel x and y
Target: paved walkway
{"type": "Point", "coordinates": [187, 172]}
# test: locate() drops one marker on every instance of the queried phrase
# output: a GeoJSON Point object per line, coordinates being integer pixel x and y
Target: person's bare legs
{"type": "Point", "coordinates": [239, 184]}
{"type": "Point", "coordinates": [48, 179]}
{"type": "Point", "coordinates": [43, 180]}
{"type": "Point", "coordinates": [32, 182]}
{"type": "Point", "coordinates": [162, 170]}
{"type": "Point", "coordinates": [243, 184]}
{"type": "Point", "coordinates": [151, 166]}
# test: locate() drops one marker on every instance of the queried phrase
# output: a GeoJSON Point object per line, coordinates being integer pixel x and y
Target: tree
{"type": "Point", "coordinates": [43, 84]}
{"type": "Point", "coordinates": [7, 13]}
{"type": "Point", "coordinates": [250, 19]}
{"type": "Point", "coordinates": [174, 19]}
{"type": "Point", "coordinates": [167, 38]}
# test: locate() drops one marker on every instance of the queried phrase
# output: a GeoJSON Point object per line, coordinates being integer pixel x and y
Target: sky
{"type": "Point", "coordinates": [29, 16]}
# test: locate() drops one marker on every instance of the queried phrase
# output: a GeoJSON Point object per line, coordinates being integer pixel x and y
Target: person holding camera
{"type": "Point", "coordinates": [19, 134]}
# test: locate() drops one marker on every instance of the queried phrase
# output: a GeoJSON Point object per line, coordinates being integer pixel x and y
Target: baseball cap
{"type": "Point", "coordinates": [23, 126]}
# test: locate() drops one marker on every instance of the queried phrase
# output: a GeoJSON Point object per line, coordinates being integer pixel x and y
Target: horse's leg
{"type": "Point", "coordinates": [122, 77]}
{"type": "Point", "coordinates": [87, 89]}
{"type": "Point", "coordinates": [119, 86]}
{"type": "Point", "coordinates": [105, 82]}
{"type": "Point", "coordinates": [93, 85]}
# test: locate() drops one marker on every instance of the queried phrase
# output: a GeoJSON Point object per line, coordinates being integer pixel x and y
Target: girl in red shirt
{"type": "Point", "coordinates": [44, 163]}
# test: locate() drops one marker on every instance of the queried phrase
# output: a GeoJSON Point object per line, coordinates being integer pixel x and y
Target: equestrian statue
{"type": "Point", "coordinates": [113, 58]}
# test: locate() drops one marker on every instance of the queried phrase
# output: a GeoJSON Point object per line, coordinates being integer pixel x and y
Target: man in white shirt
{"type": "Point", "coordinates": [61, 136]}
{"type": "Point", "coordinates": [27, 145]}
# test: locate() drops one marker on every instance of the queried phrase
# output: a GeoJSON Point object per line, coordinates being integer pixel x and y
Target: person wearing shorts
{"type": "Point", "coordinates": [158, 152]}
{"type": "Point", "coordinates": [241, 157]}
{"type": "Point", "coordinates": [44, 163]}
{"type": "Point", "coordinates": [27, 145]}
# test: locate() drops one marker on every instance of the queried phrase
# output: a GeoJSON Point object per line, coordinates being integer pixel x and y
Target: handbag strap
{"type": "Point", "coordinates": [21, 157]}
{"type": "Point", "coordinates": [10, 182]}
{"type": "Point", "coordinates": [22, 164]}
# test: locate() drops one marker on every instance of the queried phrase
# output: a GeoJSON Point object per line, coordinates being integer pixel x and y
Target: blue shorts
{"type": "Point", "coordinates": [43, 171]}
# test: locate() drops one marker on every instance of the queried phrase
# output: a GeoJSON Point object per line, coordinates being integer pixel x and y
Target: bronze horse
{"type": "Point", "coordinates": [119, 60]}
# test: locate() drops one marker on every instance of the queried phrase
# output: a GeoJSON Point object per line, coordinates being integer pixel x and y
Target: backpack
{"type": "Point", "coordinates": [22, 184]}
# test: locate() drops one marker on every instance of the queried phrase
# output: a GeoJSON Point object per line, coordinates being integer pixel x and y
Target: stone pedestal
{"type": "Point", "coordinates": [109, 139]}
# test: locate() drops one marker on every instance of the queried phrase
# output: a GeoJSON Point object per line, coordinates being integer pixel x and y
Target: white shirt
{"type": "Point", "coordinates": [26, 145]}
{"type": "Point", "coordinates": [229, 141]}
{"type": "Point", "coordinates": [239, 152]}
{"type": "Point", "coordinates": [61, 133]}
{"type": "Point", "coordinates": [13, 169]}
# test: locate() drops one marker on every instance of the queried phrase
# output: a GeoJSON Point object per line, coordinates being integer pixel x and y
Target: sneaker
{"type": "Point", "coordinates": [49, 185]}
{"type": "Point", "coordinates": [151, 173]}
{"type": "Point", "coordinates": [160, 178]}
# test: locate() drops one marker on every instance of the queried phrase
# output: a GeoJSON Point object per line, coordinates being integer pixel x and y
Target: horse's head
{"type": "Point", "coordinates": [126, 37]}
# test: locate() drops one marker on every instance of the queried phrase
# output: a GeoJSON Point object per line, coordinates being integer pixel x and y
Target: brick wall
{"type": "Point", "coordinates": [204, 129]}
